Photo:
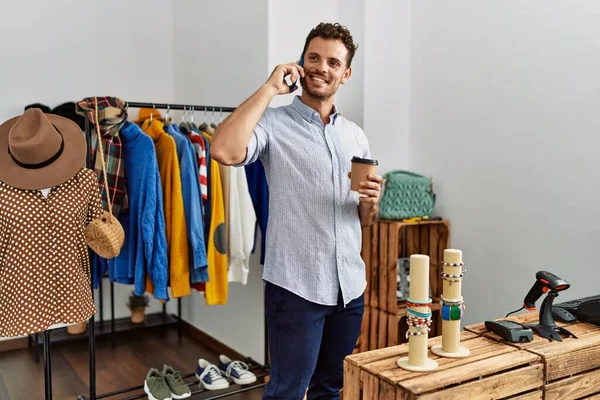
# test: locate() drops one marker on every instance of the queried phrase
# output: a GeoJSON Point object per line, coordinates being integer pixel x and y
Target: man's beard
{"type": "Point", "coordinates": [314, 95]}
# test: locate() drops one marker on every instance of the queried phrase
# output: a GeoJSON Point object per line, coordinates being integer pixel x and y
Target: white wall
{"type": "Point", "coordinates": [387, 81]}
{"type": "Point", "coordinates": [504, 105]}
{"type": "Point", "coordinates": [220, 58]}
{"type": "Point", "coordinates": [60, 51]}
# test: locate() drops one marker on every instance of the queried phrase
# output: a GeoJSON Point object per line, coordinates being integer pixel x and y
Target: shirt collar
{"type": "Point", "coordinates": [309, 114]}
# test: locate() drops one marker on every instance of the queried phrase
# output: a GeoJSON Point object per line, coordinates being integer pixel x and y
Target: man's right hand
{"type": "Point", "coordinates": [230, 142]}
{"type": "Point", "coordinates": [277, 78]}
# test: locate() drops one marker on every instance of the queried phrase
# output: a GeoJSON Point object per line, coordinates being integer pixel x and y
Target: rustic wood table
{"type": "Point", "coordinates": [495, 369]}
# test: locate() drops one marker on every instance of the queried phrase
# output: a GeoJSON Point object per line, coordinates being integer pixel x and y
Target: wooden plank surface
{"type": "Point", "coordinates": [576, 387]}
{"type": "Point", "coordinates": [480, 348]}
{"type": "Point", "coordinates": [374, 329]}
{"type": "Point", "coordinates": [493, 387]}
{"type": "Point", "coordinates": [412, 240]}
{"type": "Point", "coordinates": [536, 395]}
{"type": "Point", "coordinates": [383, 266]}
{"type": "Point", "coordinates": [370, 387]}
{"type": "Point", "coordinates": [389, 371]}
{"type": "Point", "coordinates": [364, 330]}
{"type": "Point", "coordinates": [470, 371]}
{"type": "Point", "coordinates": [395, 351]}
{"type": "Point", "coordinates": [392, 270]}
{"type": "Point", "coordinates": [596, 396]}
{"type": "Point", "coordinates": [393, 322]}
{"type": "Point", "coordinates": [574, 357]}
{"type": "Point", "coordinates": [351, 381]}
{"type": "Point", "coordinates": [374, 291]}
{"type": "Point", "coordinates": [366, 256]}
{"type": "Point", "coordinates": [383, 330]}
{"type": "Point", "coordinates": [386, 391]}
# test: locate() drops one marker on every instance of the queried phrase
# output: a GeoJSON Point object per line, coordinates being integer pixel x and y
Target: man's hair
{"type": "Point", "coordinates": [333, 31]}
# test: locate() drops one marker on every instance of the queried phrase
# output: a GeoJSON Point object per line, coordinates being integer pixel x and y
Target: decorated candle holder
{"type": "Point", "coordinates": [453, 306]}
{"type": "Point", "coordinates": [418, 317]}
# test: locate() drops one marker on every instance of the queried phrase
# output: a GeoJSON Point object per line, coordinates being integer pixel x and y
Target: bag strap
{"type": "Point", "coordinates": [102, 158]}
{"type": "Point", "coordinates": [403, 172]}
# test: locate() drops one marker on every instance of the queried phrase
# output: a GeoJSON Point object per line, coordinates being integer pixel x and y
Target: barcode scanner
{"type": "Point", "coordinates": [294, 85]}
{"type": "Point", "coordinates": [546, 282]}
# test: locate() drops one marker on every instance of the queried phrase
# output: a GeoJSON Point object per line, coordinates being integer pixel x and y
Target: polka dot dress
{"type": "Point", "coordinates": [44, 260]}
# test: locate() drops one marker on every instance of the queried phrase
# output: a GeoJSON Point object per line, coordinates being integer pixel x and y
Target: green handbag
{"type": "Point", "coordinates": [406, 195]}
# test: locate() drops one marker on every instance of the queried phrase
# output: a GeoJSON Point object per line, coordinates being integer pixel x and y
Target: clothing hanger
{"type": "Point", "coordinates": [168, 116]}
{"type": "Point", "coordinates": [212, 123]}
{"type": "Point", "coordinates": [204, 125]}
{"type": "Point", "coordinates": [192, 125]}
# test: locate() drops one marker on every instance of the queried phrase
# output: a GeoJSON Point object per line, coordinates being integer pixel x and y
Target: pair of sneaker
{"type": "Point", "coordinates": [214, 377]}
{"type": "Point", "coordinates": [167, 384]}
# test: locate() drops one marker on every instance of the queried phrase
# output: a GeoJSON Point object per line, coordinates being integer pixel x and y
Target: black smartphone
{"type": "Point", "coordinates": [293, 86]}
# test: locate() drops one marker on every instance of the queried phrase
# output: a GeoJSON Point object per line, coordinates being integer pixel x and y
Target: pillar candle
{"type": "Point", "coordinates": [452, 292]}
{"type": "Point", "coordinates": [419, 277]}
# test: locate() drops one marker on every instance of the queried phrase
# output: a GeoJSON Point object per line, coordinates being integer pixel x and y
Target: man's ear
{"type": "Point", "coordinates": [347, 74]}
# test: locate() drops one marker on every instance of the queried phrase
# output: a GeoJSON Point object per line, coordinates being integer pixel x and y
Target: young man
{"type": "Point", "coordinates": [315, 277]}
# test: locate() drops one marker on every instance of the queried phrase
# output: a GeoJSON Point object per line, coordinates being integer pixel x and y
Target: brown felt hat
{"type": "Point", "coordinates": [38, 150]}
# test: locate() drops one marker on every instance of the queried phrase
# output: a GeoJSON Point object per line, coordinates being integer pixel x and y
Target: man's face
{"type": "Point", "coordinates": [325, 67]}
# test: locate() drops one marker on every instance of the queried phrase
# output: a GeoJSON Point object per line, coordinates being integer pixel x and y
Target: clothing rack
{"type": "Point", "coordinates": [91, 325]}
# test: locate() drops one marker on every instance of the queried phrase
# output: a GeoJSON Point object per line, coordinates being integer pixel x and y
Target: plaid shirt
{"type": "Point", "coordinates": [112, 114]}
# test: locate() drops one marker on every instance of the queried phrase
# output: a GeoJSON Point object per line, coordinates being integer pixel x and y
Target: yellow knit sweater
{"type": "Point", "coordinates": [175, 226]}
{"type": "Point", "coordinates": [218, 283]}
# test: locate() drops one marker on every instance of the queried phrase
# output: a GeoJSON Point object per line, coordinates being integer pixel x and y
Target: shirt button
{"type": "Point", "coordinates": [339, 230]}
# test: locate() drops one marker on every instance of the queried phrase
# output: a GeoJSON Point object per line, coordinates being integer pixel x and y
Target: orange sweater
{"type": "Point", "coordinates": [217, 286]}
{"type": "Point", "coordinates": [177, 243]}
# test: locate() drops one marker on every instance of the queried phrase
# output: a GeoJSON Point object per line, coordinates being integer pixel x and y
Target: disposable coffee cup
{"type": "Point", "coordinates": [361, 168]}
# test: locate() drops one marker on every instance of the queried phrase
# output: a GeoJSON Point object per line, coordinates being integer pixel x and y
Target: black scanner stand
{"type": "Point", "coordinates": [546, 327]}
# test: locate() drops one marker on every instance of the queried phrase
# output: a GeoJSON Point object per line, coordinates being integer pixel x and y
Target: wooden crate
{"type": "Point", "coordinates": [493, 371]}
{"type": "Point", "coordinates": [391, 240]}
{"type": "Point", "coordinates": [384, 321]}
{"type": "Point", "coordinates": [572, 367]}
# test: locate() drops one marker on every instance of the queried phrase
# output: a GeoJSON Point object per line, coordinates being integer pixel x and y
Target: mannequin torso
{"type": "Point", "coordinates": [45, 193]}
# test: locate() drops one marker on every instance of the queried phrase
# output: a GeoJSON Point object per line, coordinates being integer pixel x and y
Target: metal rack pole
{"type": "Point", "coordinates": [112, 314]}
{"type": "Point", "coordinates": [91, 322]}
{"type": "Point", "coordinates": [101, 302]}
{"type": "Point", "coordinates": [169, 106]}
{"type": "Point", "coordinates": [179, 320]}
{"type": "Point", "coordinates": [47, 366]}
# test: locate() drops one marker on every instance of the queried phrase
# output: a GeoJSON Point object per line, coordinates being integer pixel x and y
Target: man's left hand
{"type": "Point", "coordinates": [371, 189]}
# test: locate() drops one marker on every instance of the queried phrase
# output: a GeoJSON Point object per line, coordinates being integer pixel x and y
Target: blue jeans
{"type": "Point", "coordinates": [308, 343]}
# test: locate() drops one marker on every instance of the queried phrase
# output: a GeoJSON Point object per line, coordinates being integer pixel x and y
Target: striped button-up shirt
{"type": "Point", "coordinates": [314, 233]}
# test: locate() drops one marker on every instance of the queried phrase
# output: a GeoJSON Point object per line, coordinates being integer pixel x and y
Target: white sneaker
{"type": "Point", "coordinates": [209, 376]}
{"type": "Point", "coordinates": [236, 370]}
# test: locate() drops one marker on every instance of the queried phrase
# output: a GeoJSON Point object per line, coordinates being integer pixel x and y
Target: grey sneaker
{"type": "Point", "coordinates": [179, 389]}
{"type": "Point", "coordinates": [155, 386]}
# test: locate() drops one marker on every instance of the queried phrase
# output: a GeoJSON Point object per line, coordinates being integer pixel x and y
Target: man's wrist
{"type": "Point", "coordinates": [269, 90]}
{"type": "Point", "coordinates": [370, 209]}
